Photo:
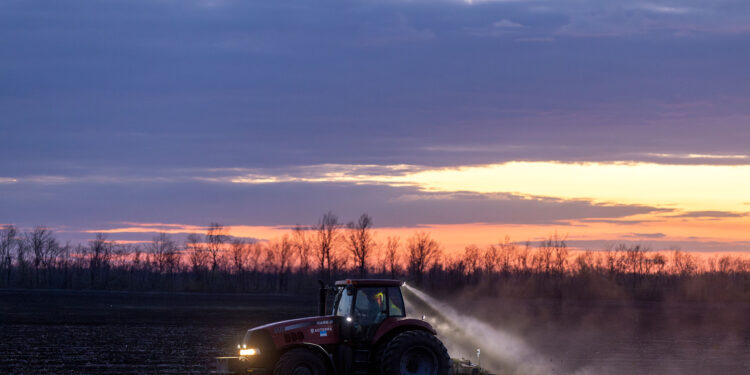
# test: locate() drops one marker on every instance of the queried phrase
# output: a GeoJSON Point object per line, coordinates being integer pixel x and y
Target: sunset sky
{"type": "Point", "coordinates": [604, 121]}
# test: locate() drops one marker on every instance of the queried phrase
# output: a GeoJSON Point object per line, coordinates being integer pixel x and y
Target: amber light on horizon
{"type": "Point", "coordinates": [660, 234]}
{"type": "Point", "coordinates": [700, 206]}
{"type": "Point", "coordinates": [685, 187]}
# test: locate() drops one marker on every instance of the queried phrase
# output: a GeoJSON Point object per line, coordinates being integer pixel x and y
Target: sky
{"type": "Point", "coordinates": [604, 121]}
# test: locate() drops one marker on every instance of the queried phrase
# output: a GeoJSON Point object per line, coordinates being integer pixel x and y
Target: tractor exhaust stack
{"type": "Point", "coordinates": [323, 295]}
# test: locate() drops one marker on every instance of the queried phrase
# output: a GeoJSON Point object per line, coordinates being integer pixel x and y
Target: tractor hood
{"type": "Point", "coordinates": [293, 324]}
{"type": "Point", "coordinates": [317, 329]}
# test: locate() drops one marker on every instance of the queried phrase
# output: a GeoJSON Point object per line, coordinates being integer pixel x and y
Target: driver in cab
{"type": "Point", "coordinates": [370, 307]}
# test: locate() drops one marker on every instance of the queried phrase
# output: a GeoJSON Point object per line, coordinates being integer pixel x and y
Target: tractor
{"type": "Point", "coordinates": [366, 332]}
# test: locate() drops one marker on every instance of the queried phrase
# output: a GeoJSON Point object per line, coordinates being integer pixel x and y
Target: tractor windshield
{"type": "Point", "coordinates": [370, 306]}
{"type": "Point", "coordinates": [395, 302]}
{"type": "Point", "coordinates": [343, 304]}
{"type": "Point", "coordinates": [369, 303]}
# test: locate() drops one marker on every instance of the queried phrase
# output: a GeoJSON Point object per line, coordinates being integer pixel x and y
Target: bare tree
{"type": "Point", "coordinates": [254, 256]}
{"type": "Point", "coordinates": [279, 257]}
{"type": "Point", "coordinates": [8, 245]}
{"type": "Point", "coordinates": [508, 252]}
{"type": "Point", "coordinates": [62, 264]}
{"type": "Point", "coordinates": [521, 263]}
{"type": "Point", "coordinates": [303, 247]}
{"type": "Point", "coordinates": [271, 260]}
{"type": "Point", "coordinates": [684, 264]}
{"type": "Point", "coordinates": [584, 263]}
{"type": "Point", "coordinates": [552, 255]}
{"type": "Point", "coordinates": [660, 263]}
{"type": "Point", "coordinates": [490, 260]}
{"type": "Point", "coordinates": [136, 265]}
{"type": "Point", "coordinates": [285, 249]}
{"type": "Point", "coordinates": [423, 251]}
{"type": "Point", "coordinates": [614, 260]}
{"type": "Point", "coordinates": [100, 252]}
{"type": "Point", "coordinates": [470, 261]}
{"type": "Point", "coordinates": [559, 254]}
{"type": "Point", "coordinates": [216, 237]}
{"type": "Point", "coordinates": [327, 236]}
{"type": "Point", "coordinates": [240, 251]}
{"type": "Point", "coordinates": [42, 245]}
{"type": "Point", "coordinates": [360, 241]}
{"type": "Point", "coordinates": [635, 262]}
{"type": "Point", "coordinates": [338, 264]}
{"type": "Point", "coordinates": [541, 259]}
{"type": "Point", "coordinates": [392, 256]}
{"type": "Point", "coordinates": [197, 254]}
{"type": "Point", "coordinates": [164, 251]}
{"type": "Point", "coordinates": [724, 265]}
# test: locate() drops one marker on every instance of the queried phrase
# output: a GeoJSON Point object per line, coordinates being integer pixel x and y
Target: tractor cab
{"type": "Point", "coordinates": [365, 305]}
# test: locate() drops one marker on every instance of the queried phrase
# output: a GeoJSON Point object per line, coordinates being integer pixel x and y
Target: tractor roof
{"type": "Point", "coordinates": [369, 282]}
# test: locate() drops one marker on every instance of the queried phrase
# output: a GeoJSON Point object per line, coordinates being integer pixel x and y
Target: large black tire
{"type": "Point", "coordinates": [415, 353]}
{"type": "Point", "coordinates": [376, 359]}
{"type": "Point", "coordinates": [300, 362]}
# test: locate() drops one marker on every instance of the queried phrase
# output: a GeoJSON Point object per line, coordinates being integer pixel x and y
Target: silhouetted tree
{"type": "Point", "coordinates": [584, 263]}
{"type": "Point", "coordinates": [256, 253]}
{"type": "Point", "coordinates": [684, 263]}
{"type": "Point", "coordinates": [660, 263]}
{"type": "Point", "coordinates": [327, 236]}
{"type": "Point", "coordinates": [422, 253]}
{"type": "Point", "coordinates": [198, 257]}
{"type": "Point", "coordinates": [8, 246]}
{"type": "Point", "coordinates": [43, 247]}
{"type": "Point", "coordinates": [164, 251]}
{"type": "Point", "coordinates": [490, 260]}
{"type": "Point", "coordinates": [523, 258]}
{"type": "Point", "coordinates": [470, 261]}
{"type": "Point", "coordinates": [240, 252]}
{"type": "Point", "coordinates": [303, 247]}
{"type": "Point", "coordinates": [615, 261]}
{"type": "Point", "coordinates": [551, 256]}
{"type": "Point", "coordinates": [393, 256]}
{"type": "Point", "coordinates": [279, 257]}
{"type": "Point", "coordinates": [216, 237]}
{"type": "Point", "coordinates": [136, 265]}
{"type": "Point", "coordinates": [285, 249]}
{"type": "Point", "coordinates": [508, 252]}
{"type": "Point", "coordinates": [100, 252]}
{"type": "Point", "coordinates": [360, 242]}
{"type": "Point", "coordinates": [36, 259]}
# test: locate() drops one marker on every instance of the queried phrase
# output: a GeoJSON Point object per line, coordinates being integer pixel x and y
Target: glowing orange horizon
{"type": "Point", "coordinates": [657, 232]}
{"type": "Point", "coordinates": [679, 194]}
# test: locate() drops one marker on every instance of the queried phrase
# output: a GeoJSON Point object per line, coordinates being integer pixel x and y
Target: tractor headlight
{"type": "Point", "coordinates": [249, 351]}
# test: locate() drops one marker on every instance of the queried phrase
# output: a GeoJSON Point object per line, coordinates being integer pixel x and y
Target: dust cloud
{"type": "Point", "coordinates": [545, 336]}
{"type": "Point", "coordinates": [500, 351]}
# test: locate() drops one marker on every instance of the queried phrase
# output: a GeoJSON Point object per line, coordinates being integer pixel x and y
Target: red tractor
{"type": "Point", "coordinates": [366, 333]}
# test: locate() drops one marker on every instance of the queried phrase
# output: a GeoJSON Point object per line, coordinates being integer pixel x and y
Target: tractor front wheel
{"type": "Point", "coordinates": [300, 362]}
{"type": "Point", "coordinates": [415, 353]}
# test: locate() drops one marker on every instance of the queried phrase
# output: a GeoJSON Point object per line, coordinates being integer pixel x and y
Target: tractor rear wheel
{"type": "Point", "coordinates": [415, 353]}
{"type": "Point", "coordinates": [300, 362]}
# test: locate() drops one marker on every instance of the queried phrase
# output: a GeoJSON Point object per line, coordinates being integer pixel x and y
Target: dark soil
{"type": "Point", "coordinates": [92, 332]}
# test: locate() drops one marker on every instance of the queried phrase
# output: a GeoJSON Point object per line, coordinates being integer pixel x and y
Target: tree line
{"type": "Point", "coordinates": [215, 261]}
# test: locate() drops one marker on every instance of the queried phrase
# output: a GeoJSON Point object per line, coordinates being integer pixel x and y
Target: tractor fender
{"type": "Point", "coordinates": [392, 327]}
{"type": "Point", "coordinates": [316, 349]}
